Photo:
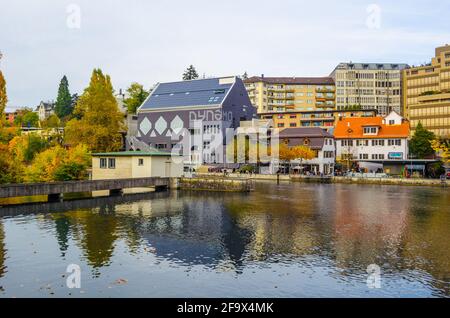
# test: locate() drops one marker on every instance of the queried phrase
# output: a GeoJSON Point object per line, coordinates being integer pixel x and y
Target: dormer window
{"type": "Point", "coordinates": [370, 130]}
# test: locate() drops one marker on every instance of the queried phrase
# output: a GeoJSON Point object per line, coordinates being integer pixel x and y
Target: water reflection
{"type": "Point", "coordinates": [342, 228]}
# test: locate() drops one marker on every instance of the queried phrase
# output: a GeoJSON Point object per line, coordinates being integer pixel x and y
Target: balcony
{"type": "Point", "coordinates": [325, 89]}
{"type": "Point", "coordinates": [276, 89]}
{"type": "Point", "coordinates": [290, 96]}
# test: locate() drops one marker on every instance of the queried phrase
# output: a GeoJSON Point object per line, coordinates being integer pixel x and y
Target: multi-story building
{"type": "Point", "coordinates": [203, 108]}
{"type": "Point", "coordinates": [280, 94]}
{"type": "Point", "coordinates": [320, 141]}
{"type": "Point", "coordinates": [325, 119]}
{"type": "Point", "coordinates": [10, 117]}
{"type": "Point", "coordinates": [426, 93]}
{"type": "Point", "coordinates": [45, 110]}
{"type": "Point", "coordinates": [375, 139]}
{"type": "Point", "coordinates": [369, 86]}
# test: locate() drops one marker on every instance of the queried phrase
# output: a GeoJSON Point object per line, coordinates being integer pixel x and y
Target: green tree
{"type": "Point", "coordinates": [137, 95]}
{"type": "Point", "coordinates": [63, 105]}
{"type": "Point", "coordinates": [51, 122]}
{"type": "Point", "coordinates": [26, 147]}
{"type": "Point", "coordinates": [190, 73]}
{"type": "Point", "coordinates": [420, 144]}
{"type": "Point", "coordinates": [27, 118]}
{"type": "Point", "coordinates": [98, 122]}
{"type": "Point", "coordinates": [3, 96]}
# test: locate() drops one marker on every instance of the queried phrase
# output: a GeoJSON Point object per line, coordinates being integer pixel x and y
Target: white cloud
{"type": "Point", "coordinates": [151, 41]}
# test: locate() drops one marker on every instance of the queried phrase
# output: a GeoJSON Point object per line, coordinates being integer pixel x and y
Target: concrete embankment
{"type": "Point", "coordinates": [212, 183]}
{"type": "Point", "coordinates": [347, 180]}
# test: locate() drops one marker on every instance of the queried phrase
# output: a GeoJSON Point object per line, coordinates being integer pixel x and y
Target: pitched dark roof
{"type": "Point", "coordinates": [304, 132]}
{"type": "Point", "coordinates": [201, 92]}
{"type": "Point", "coordinates": [292, 80]}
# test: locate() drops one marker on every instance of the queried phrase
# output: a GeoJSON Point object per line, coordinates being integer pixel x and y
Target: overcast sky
{"type": "Point", "coordinates": [154, 41]}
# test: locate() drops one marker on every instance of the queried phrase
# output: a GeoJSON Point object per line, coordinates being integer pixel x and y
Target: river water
{"type": "Point", "coordinates": [287, 240]}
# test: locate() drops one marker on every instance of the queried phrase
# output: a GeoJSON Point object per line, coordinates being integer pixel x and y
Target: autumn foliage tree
{"type": "Point", "coordinates": [442, 148]}
{"type": "Point", "coordinates": [3, 96]}
{"type": "Point", "coordinates": [59, 164]}
{"type": "Point", "coordinates": [137, 95]}
{"type": "Point", "coordinates": [288, 154]}
{"type": "Point", "coordinates": [99, 122]}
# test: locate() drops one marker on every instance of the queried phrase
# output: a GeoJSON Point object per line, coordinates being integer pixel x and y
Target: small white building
{"type": "Point", "coordinates": [45, 110]}
{"type": "Point", "coordinates": [135, 164]}
{"type": "Point", "coordinates": [372, 139]}
{"type": "Point", "coordinates": [319, 140]}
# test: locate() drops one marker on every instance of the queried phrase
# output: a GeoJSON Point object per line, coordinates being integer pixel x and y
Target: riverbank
{"type": "Point", "coordinates": [345, 180]}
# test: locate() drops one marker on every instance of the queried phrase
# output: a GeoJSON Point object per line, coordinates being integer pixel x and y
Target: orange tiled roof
{"type": "Point", "coordinates": [358, 123]}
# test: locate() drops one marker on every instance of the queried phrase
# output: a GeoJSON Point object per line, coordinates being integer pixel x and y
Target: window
{"type": "Point", "coordinates": [292, 125]}
{"type": "Point", "coordinates": [391, 122]}
{"type": "Point", "coordinates": [363, 156]}
{"type": "Point", "coordinates": [362, 142]}
{"type": "Point", "coordinates": [112, 163]}
{"type": "Point", "coordinates": [394, 142]}
{"type": "Point", "coordinates": [347, 143]}
{"type": "Point", "coordinates": [370, 130]}
{"type": "Point", "coordinates": [381, 156]}
{"type": "Point", "coordinates": [102, 163]}
{"type": "Point", "coordinates": [281, 125]}
{"type": "Point", "coordinates": [140, 162]}
{"type": "Point", "coordinates": [161, 146]}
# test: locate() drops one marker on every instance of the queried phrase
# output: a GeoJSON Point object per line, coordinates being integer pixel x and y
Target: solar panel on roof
{"type": "Point", "coordinates": [187, 93]}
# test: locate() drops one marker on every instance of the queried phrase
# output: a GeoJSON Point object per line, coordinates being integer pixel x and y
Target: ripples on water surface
{"type": "Point", "coordinates": [288, 240]}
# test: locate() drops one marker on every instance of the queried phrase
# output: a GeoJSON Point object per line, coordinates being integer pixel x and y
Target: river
{"type": "Point", "coordinates": [287, 240]}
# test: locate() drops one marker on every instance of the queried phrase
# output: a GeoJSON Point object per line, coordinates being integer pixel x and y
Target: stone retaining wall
{"type": "Point", "coordinates": [215, 184]}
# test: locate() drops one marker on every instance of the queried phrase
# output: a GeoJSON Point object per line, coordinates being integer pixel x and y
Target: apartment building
{"type": "Point", "coordinates": [325, 119]}
{"type": "Point", "coordinates": [427, 94]}
{"type": "Point", "coordinates": [281, 94]}
{"type": "Point", "coordinates": [369, 86]}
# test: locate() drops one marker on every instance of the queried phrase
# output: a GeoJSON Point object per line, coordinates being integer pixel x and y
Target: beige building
{"type": "Point", "coordinates": [280, 94]}
{"type": "Point", "coordinates": [369, 86]}
{"type": "Point", "coordinates": [135, 164]}
{"type": "Point", "coordinates": [427, 94]}
{"type": "Point", "coordinates": [317, 118]}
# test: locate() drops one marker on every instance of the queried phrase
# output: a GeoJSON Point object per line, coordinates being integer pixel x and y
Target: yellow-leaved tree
{"type": "Point", "coordinates": [98, 122]}
{"type": "Point", "coordinates": [3, 96]}
{"type": "Point", "coordinates": [442, 148]}
{"type": "Point", "coordinates": [287, 154]}
{"type": "Point", "coordinates": [59, 164]}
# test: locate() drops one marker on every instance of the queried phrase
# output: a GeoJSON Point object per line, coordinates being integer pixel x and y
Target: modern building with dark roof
{"type": "Point", "coordinates": [203, 108]}
{"type": "Point", "coordinates": [318, 140]}
{"type": "Point", "coordinates": [281, 94]}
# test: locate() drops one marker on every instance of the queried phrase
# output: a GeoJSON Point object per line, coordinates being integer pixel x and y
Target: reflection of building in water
{"type": "Point", "coordinates": [280, 229]}
{"type": "Point", "coordinates": [2, 251]}
{"type": "Point", "coordinates": [203, 234]}
{"type": "Point", "coordinates": [361, 233]}
{"type": "Point", "coordinates": [427, 236]}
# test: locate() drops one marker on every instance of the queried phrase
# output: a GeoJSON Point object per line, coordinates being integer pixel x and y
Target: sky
{"type": "Point", "coordinates": [155, 41]}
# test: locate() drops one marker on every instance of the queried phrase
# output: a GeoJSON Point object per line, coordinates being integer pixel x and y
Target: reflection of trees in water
{"type": "Point", "coordinates": [2, 251]}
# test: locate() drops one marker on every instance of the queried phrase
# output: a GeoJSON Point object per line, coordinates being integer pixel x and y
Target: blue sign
{"type": "Point", "coordinates": [395, 155]}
